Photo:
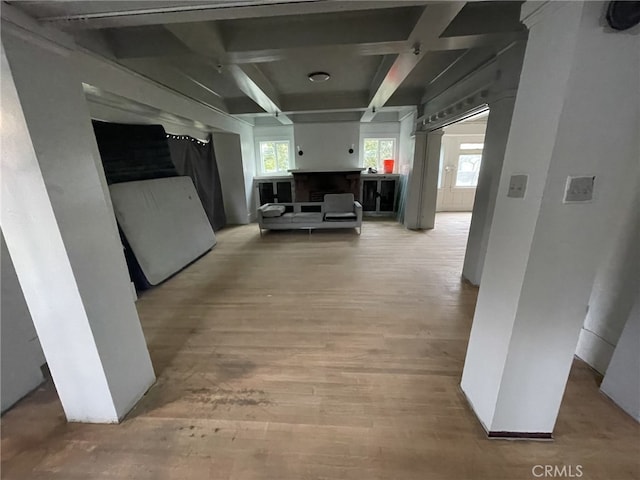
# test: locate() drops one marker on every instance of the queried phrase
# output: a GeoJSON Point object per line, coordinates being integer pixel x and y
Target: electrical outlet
{"type": "Point", "coordinates": [517, 186]}
{"type": "Point", "coordinates": [579, 189]}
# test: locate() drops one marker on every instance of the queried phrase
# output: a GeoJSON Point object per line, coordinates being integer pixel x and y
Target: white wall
{"type": "Point", "coordinates": [108, 113]}
{"type": "Point", "coordinates": [21, 352]}
{"type": "Point", "coordinates": [543, 254]}
{"type": "Point", "coordinates": [614, 290]}
{"type": "Point", "coordinates": [249, 170]}
{"type": "Point", "coordinates": [405, 158]}
{"type": "Point", "coordinates": [326, 145]}
{"type": "Point", "coordinates": [228, 150]}
{"type": "Point", "coordinates": [622, 381]}
{"type": "Point", "coordinates": [60, 230]}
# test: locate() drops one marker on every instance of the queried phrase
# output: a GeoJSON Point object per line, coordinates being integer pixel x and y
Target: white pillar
{"type": "Point", "coordinates": [614, 291]}
{"type": "Point", "coordinates": [60, 231]}
{"type": "Point", "coordinates": [22, 355]}
{"type": "Point", "coordinates": [495, 144]}
{"type": "Point", "coordinates": [577, 81]}
{"type": "Point", "coordinates": [422, 193]}
{"type": "Point", "coordinates": [622, 381]}
{"type": "Point", "coordinates": [502, 96]}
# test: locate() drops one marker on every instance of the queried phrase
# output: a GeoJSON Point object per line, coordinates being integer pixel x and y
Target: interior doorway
{"type": "Point", "coordinates": [460, 159]}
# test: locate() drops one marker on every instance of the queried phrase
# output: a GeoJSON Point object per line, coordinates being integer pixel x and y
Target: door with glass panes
{"type": "Point", "coordinates": [460, 159]}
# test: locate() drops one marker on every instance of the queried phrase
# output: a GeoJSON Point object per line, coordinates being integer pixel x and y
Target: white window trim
{"type": "Point", "coordinates": [258, 154]}
{"type": "Point", "coordinates": [396, 141]}
{"type": "Point", "coordinates": [451, 148]}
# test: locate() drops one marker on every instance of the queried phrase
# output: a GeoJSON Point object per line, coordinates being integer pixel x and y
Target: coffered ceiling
{"type": "Point", "coordinates": [252, 58]}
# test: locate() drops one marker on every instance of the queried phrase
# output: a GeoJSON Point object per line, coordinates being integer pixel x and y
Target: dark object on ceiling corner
{"type": "Point", "coordinates": [623, 15]}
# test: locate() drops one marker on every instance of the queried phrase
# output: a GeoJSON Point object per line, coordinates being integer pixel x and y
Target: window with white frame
{"type": "Point", "coordinates": [375, 150]}
{"type": "Point", "coordinates": [469, 158]}
{"type": "Point", "coordinates": [275, 156]}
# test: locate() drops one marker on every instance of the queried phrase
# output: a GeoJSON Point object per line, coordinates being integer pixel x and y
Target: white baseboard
{"type": "Point", "coordinates": [594, 350]}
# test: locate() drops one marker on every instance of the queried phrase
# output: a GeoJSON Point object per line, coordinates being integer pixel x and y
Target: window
{"type": "Point", "coordinates": [471, 146]}
{"type": "Point", "coordinates": [468, 170]}
{"type": "Point", "coordinates": [378, 149]}
{"type": "Point", "coordinates": [275, 156]}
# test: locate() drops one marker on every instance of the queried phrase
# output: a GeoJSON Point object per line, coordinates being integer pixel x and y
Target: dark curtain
{"type": "Point", "coordinates": [133, 152]}
{"type": "Point", "coordinates": [197, 160]}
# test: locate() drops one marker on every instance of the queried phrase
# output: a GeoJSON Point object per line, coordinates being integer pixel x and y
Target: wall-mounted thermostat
{"type": "Point", "coordinates": [579, 189]}
{"type": "Point", "coordinates": [517, 186]}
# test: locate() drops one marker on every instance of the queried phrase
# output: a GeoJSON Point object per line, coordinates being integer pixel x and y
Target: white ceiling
{"type": "Point", "coordinates": [251, 58]}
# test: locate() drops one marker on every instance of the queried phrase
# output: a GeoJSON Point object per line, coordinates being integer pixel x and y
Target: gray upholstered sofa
{"type": "Point", "coordinates": [337, 211]}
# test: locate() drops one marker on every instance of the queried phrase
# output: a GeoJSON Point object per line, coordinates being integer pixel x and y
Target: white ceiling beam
{"type": "Point", "coordinates": [126, 48]}
{"type": "Point", "coordinates": [256, 86]}
{"type": "Point", "coordinates": [433, 21]}
{"type": "Point", "coordinates": [278, 54]}
{"type": "Point", "coordinates": [158, 71]}
{"type": "Point", "coordinates": [205, 39]}
{"type": "Point", "coordinates": [457, 71]}
{"type": "Point", "coordinates": [368, 115]}
{"type": "Point", "coordinates": [465, 42]}
{"type": "Point", "coordinates": [210, 11]}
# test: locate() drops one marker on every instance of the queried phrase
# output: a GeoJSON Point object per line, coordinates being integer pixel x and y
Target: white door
{"type": "Point", "coordinates": [460, 159]}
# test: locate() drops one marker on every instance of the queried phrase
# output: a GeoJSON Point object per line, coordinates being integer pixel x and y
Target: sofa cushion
{"type": "Point", "coordinates": [307, 217]}
{"type": "Point", "coordinates": [338, 202]}
{"type": "Point", "coordinates": [272, 211]}
{"type": "Point", "coordinates": [285, 218]}
{"type": "Point", "coordinates": [337, 216]}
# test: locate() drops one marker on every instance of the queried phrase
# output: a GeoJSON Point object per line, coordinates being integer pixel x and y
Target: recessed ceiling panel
{"type": "Point", "coordinates": [486, 17]}
{"type": "Point", "coordinates": [430, 66]}
{"type": "Point", "coordinates": [366, 26]}
{"type": "Point", "coordinates": [348, 73]}
{"type": "Point", "coordinates": [46, 9]}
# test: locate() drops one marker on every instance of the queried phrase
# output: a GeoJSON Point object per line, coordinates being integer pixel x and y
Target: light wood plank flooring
{"type": "Point", "coordinates": [330, 356]}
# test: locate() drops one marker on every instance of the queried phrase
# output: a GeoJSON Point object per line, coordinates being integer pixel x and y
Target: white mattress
{"type": "Point", "coordinates": [164, 223]}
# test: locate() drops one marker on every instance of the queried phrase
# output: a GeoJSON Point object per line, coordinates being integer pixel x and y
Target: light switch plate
{"type": "Point", "coordinates": [579, 189]}
{"type": "Point", "coordinates": [517, 186]}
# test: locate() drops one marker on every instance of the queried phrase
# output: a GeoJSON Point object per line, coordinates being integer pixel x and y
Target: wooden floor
{"type": "Point", "coordinates": [330, 356]}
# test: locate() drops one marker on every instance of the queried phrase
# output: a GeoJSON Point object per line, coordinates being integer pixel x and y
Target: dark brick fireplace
{"type": "Point", "coordinates": [312, 186]}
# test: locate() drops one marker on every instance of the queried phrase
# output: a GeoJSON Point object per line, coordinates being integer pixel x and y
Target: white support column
{"type": "Point", "coordinates": [614, 291]}
{"type": "Point", "coordinates": [495, 144]}
{"type": "Point", "coordinates": [502, 97]}
{"type": "Point", "coordinates": [422, 194]}
{"type": "Point", "coordinates": [58, 223]}
{"type": "Point", "coordinates": [577, 81]}
{"type": "Point", "coordinates": [622, 381]}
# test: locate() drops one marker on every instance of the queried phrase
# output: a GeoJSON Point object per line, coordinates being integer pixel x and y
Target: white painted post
{"type": "Point", "coordinates": [422, 194]}
{"type": "Point", "coordinates": [60, 232]}
{"type": "Point", "coordinates": [622, 381]}
{"type": "Point", "coordinates": [495, 143]}
{"type": "Point", "coordinates": [543, 253]}
{"type": "Point", "coordinates": [502, 96]}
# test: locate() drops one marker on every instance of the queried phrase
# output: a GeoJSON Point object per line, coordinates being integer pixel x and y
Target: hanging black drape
{"type": "Point", "coordinates": [198, 161]}
{"type": "Point", "coordinates": [133, 152]}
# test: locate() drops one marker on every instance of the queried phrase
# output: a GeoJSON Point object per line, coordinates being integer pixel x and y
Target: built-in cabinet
{"type": "Point", "coordinates": [378, 192]}
{"type": "Point", "coordinates": [274, 190]}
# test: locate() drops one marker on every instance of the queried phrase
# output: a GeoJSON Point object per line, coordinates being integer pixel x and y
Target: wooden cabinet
{"type": "Point", "coordinates": [379, 194]}
{"type": "Point", "coordinates": [274, 190]}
